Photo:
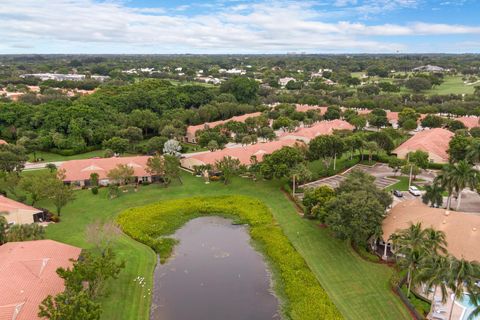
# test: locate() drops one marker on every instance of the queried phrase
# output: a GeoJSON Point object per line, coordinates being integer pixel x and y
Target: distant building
{"type": "Point", "coordinates": [63, 77]}
{"type": "Point", "coordinates": [19, 213]}
{"type": "Point", "coordinates": [434, 142]}
{"type": "Point", "coordinates": [283, 81]}
{"type": "Point", "coordinates": [77, 172]}
{"type": "Point", "coordinates": [192, 130]}
{"type": "Point", "coordinates": [429, 68]}
{"type": "Point", "coordinates": [306, 107]}
{"type": "Point", "coordinates": [28, 274]}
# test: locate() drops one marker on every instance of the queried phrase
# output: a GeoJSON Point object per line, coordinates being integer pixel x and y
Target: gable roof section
{"type": "Point", "coordinates": [9, 205]}
{"type": "Point", "coordinates": [306, 107]}
{"type": "Point", "coordinates": [434, 141]}
{"type": "Point", "coordinates": [318, 129]}
{"type": "Point", "coordinates": [470, 122]}
{"type": "Point", "coordinates": [28, 275]}
{"type": "Point", "coordinates": [76, 170]}
{"type": "Point", "coordinates": [191, 130]}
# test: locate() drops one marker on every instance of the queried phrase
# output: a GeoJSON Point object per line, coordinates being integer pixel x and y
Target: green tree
{"type": "Point", "coordinates": [332, 113]}
{"type": "Point", "coordinates": [156, 167]}
{"type": "Point", "coordinates": [473, 151]}
{"type": "Point", "coordinates": [94, 179]}
{"type": "Point", "coordinates": [418, 158]}
{"type": "Point", "coordinates": [172, 168]}
{"type": "Point", "coordinates": [155, 144]}
{"type": "Point", "coordinates": [70, 305]}
{"type": "Point", "coordinates": [3, 229]}
{"type": "Point", "coordinates": [242, 88]}
{"type": "Point", "coordinates": [315, 200]}
{"type": "Point", "coordinates": [326, 147]}
{"type": "Point", "coordinates": [12, 158]}
{"type": "Point", "coordinates": [280, 163]}
{"type": "Point", "coordinates": [229, 167]}
{"type": "Point", "coordinates": [418, 84]}
{"type": "Point", "coordinates": [25, 232]}
{"type": "Point", "coordinates": [408, 115]}
{"type": "Point", "coordinates": [433, 121]}
{"type": "Point", "coordinates": [60, 194]}
{"type": "Point", "coordinates": [117, 144]}
{"type": "Point", "coordinates": [458, 146]}
{"type": "Point", "coordinates": [38, 185]}
{"type": "Point", "coordinates": [433, 195]}
{"type": "Point", "coordinates": [121, 174]}
{"type": "Point", "coordinates": [463, 175]}
{"type": "Point", "coordinates": [213, 145]}
{"type": "Point", "coordinates": [395, 164]}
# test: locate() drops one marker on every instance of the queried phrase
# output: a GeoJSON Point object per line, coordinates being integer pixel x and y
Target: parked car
{"type": "Point", "coordinates": [397, 193]}
{"type": "Point", "coordinates": [414, 190]}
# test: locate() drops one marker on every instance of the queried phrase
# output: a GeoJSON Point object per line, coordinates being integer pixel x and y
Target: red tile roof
{"type": "Point", "coordinates": [433, 141]}
{"type": "Point", "coordinates": [28, 275]}
{"type": "Point", "coordinates": [306, 107]}
{"type": "Point", "coordinates": [3, 141]}
{"type": "Point", "coordinates": [470, 122]}
{"type": "Point", "coordinates": [76, 170]}
{"type": "Point", "coordinates": [242, 153]}
{"type": "Point", "coordinates": [9, 205]}
{"type": "Point", "coordinates": [191, 130]}
{"type": "Point", "coordinates": [318, 129]}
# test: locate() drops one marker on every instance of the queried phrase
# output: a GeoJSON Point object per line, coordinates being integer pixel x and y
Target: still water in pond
{"type": "Point", "coordinates": [215, 274]}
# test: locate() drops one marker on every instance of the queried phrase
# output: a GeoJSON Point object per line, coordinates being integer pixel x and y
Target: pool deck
{"type": "Point", "coordinates": [444, 308]}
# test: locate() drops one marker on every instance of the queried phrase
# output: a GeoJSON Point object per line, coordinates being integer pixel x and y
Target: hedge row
{"type": "Point", "coordinates": [303, 297]}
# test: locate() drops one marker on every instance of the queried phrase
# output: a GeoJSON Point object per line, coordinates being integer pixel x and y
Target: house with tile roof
{"type": "Point", "coordinates": [462, 230]}
{"type": "Point", "coordinates": [28, 275]}
{"type": "Point", "coordinates": [19, 213]}
{"type": "Point", "coordinates": [306, 107]}
{"type": "Point", "coordinates": [242, 153]}
{"type": "Point", "coordinates": [470, 121]}
{"type": "Point", "coordinates": [434, 142]}
{"type": "Point", "coordinates": [306, 134]}
{"type": "Point", "coordinates": [192, 130]}
{"type": "Point", "coordinates": [77, 172]}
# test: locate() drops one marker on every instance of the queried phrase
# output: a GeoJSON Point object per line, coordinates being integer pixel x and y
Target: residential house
{"type": "Point", "coordinates": [462, 230]}
{"type": "Point", "coordinates": [283, 81]}
{"type": "Point", "coordinates": [434, 142]}
{"type": "Point", "coordinates": [192, 130]}
{"type": "Point", "coordinates": [470, 121]}
{"type": "Point", "coordinates": [306, 134]}
{"type": "Point", "coordinates": [242, 153]}
{"type": "Point", "coordinates": [306, 107]}
{"type": "Point", "coordinates": [77, 172]}
{"type": "Point", "coordinates": [19, 213]}
{"type": "Point", "coordinates": [28, 274]}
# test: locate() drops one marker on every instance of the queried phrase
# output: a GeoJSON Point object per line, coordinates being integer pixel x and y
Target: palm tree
{"type": "Point", "coordinates": [475, 299]}
{"type": "Point", "coordinates": [435, 241]}
{"type": "Point", "coordinates": [433, 195]}
{"type": "Point", "coordinates": [463, 175]}
{"type": "Point", "coordinates": [473, 151]}
{"type": "Point", "coordinates": [444, 179]}
{"type": "Point", "coordinates": [461, 278]}
{"type": "Point", "coordinates": [433, 274]}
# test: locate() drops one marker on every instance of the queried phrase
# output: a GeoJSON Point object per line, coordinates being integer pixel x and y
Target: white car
{"type": "Point", "coordinates": [414, 190]}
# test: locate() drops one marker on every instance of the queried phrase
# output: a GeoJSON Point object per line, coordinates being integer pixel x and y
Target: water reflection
{"type": "Point", "coordinates": [214, 275]}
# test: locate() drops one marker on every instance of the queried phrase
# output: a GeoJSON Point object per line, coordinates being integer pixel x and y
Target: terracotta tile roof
{"type": "Point", "coordinates": [191, 130]}
{"type": "Point", "coordinates": [306, 107]}
{"type": "Point", "coordinates": [3, 141]}
{"type": "Point", "coordinates": [462, 230]}
{"type": "Point", "coordinates": [434, 141]}
{"type": "Point", "coordinates": [76, 170]}
{"type": "Point", "coordinates": [392, 116]}
{"type": "Point", "coordinates": [9, 205]}
{"type": "Point", "coordinates": [28, 275]}
{"type": "Point", "coordinates": [241, 153]}
{"type": "Point", "coordinates": [470, 122]}
{"type": "Point", "coordinates": [318, 129]}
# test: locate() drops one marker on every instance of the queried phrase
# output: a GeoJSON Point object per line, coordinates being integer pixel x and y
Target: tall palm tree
{"type": "Point", "coordinates": [433, 275]}
{"type": "Point", "coordinates": [461, 278]}
{"type": "Point", "coordinates": [463, 175]}
{"type": "Point", "coordinates": [435, 241]}
{"type": "Point", "coordinates": [444, 180]}
{"type": "Point", "coordinates": [433, 195]}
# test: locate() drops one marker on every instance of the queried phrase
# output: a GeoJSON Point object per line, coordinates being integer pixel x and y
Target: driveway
{"type": "Point", "coordinates": [40, 165]}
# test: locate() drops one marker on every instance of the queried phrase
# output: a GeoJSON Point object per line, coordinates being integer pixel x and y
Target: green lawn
{"type": "Point", "coordinates": [49, 157]}
{"type": "Point", "coordinates": [359, 288]}
{"type": "Point", "coordinates": [402, 184]}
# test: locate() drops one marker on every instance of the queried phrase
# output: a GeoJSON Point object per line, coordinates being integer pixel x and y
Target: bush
{"type": "Point", "coordinates": [54, 218]}
{"type": "Point", "coordinates": [95, 190]}
{"type": "Point", "coordinates": [304, 297]}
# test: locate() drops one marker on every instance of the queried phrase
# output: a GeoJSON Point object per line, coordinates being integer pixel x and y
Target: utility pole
{"type": "Point", "coordinates": [410, 176]}
{"type": "Point", "coordinates": [293, 187]}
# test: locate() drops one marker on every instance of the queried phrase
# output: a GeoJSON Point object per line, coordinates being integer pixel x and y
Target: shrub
{"type": "Point", "coordinates": [95, 190]}
{"type": "Point", "coordinates": [304, 297]}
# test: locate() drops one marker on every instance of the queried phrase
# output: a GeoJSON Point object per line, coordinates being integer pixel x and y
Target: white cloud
{"type": "Point", "coordinates": [89, 26]}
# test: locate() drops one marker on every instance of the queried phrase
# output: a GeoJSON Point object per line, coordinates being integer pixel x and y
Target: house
{"type": "Point", "coordinates": [462, 230]}
{"type": "Point", "coordinates": [77, 172]}
{"type": "Point", "coordinates": [306, 134]}
{"type": "Point", "coordinates": [283, 81]}
{"type": "Point", "coordinates": [19, 213]}
{"type": "Point", "coordinates": [429, 68]}
{"type": "Point", "coordinates": [433, 141]}
{"type": "Point", "coordinates": [306, 107]}
{"type": "Point", "coordinates": [28, 275]}
{"type": "Point", "coordinates": [470, 121]}
{"type": "Point", "coordinates": [192, 130]}
{"type": "Point", "coordinates": [243, 153]}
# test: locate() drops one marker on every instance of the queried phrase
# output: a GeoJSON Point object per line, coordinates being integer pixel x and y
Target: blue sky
{"type": "Point", "coordinates": [237, 26]}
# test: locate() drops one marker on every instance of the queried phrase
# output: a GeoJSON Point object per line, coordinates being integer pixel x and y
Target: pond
{"type": "Point", "coordinates": [215, 274]}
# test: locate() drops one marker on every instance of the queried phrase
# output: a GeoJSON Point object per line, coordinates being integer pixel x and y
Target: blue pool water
{"type": "Point", "coordinates": [469, 307]}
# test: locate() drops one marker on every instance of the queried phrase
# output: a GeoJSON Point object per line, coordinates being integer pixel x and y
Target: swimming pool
{"type": "Point", "coordinates": [468, 306]}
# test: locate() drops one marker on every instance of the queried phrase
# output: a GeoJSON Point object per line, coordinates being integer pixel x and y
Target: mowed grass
{"type": "Point", "coordinates": [360, 289]}
{"type": "Point", "coordinates": [49, 156]}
